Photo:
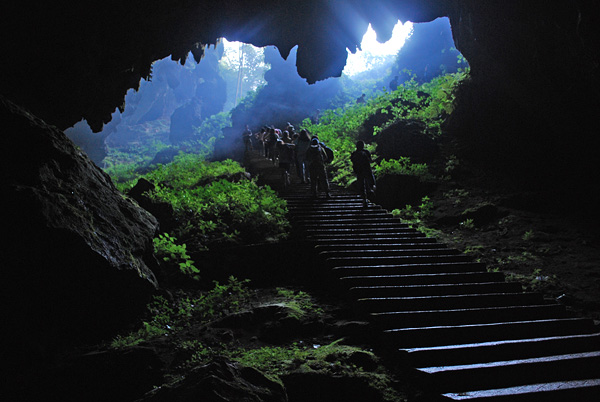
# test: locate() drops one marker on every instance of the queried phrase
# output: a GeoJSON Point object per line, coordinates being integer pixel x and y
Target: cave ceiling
{"type": "Point", "coordinates": [75, 60]}
{"type": "Point", "coordinates": [69, 60]}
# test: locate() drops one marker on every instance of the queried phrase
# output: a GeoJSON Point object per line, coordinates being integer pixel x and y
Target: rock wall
{"type": "Point", "coordinates": [76, 253]}
{"type": "Point", "coordinates": [530, 107]}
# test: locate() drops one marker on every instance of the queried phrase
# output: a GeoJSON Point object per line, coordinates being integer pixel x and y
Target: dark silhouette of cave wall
{"type": "Point", "coordinates": [534, 63]}
{"type": "Point", "coordinates": [529, 108]}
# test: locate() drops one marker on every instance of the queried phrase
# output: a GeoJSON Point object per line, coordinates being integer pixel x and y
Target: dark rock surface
{"type": "Point", "coordinates": [405, 138]}
{"type": "Point", "coordinates": [77, 252]}
{"type": "Point", "coordinates": [221, 381]}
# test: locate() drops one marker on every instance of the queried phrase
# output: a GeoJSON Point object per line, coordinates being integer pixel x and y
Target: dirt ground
{"type": "Point", "coordinates": [515, 232]}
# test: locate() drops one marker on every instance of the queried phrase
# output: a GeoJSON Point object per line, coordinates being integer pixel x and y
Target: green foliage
{"type": "Point", "coordinates": [208, 132]}
{"type": "Point", "coordinates": [415, 216]}
{"type": "Point", "coordinates": [402, 166]}
{"type": "Point", "coordinates": [467, 224]}
{"type": "Point", "coordinates": [299, 302]}
{"type": "Point", "coordinates": [216, 208]}
{"type": "Point", "coordinates": [123, 165]}
{"type": "Point", "coordinates": [167, 317]}
{"type": "Point", "coordinates": [188, 170]}
{"type": "Point", "coordinates": [528, 235]}
{"type": "Point", "coordinates": [334, 359]}
{"type": "Point", "coordinates": [339, 128]}
{"type": "Point", "coordinates": [168, 251]}
{"type": "Point", "coordinates": [456, 195]}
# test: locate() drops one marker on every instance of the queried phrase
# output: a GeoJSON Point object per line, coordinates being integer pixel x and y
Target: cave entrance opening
{"type": "Point", "coordinates": [198, 101]}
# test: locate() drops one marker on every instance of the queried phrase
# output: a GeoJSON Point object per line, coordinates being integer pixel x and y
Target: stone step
{"type": "Point", "coordinates": [366, 230]}
{"type": "Point", "coordinates": [435, 290]}
{"type": "Point", "coordinates": [299, 214]}
{"type": "Point", "coordinates": [432, 279]}
{"type": "Point", "coordinates": [409, 269]}
{"type": "Point", "coordinates": [397, 260]}
{"type": "Point", "coordinates": [377, 247]}
{"type": "Point", "coordinates": [511, 373]}
{"type": "Point", "coordinates": [475, 333]}
{"type": "Point", "coordinates": [398, 252]}
{"type": "Point", "coordinates": [562, 391]}
{"type": "Point", "coordinates": [445, 310]}
{"type": "Point", "coordinates": [318, 210]}
{"type": "Point", "coordinates": [327, 203]}
{"type": "Point", "coordinates": [501, 350]}
{"type": "Point", "coordinates": [357, 227]}
{"type": "Point", "coordinates": [485, 315]}
{"type": "Point", "coordinates": [302, 196]}
{"type": "Point", "coordinates": [349, 221]}
{"type": "Point", "coordinates": [451, 302]}
{"type": "Point", "coordinates": [366, 237]}
{"type": "Point", "coordinates": [414, 237]}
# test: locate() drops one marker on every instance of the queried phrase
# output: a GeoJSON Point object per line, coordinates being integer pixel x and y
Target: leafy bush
{"type": "Point", "coordinates": [299, 302]}
{"type": "Point", "coordinates": [402, 166]}
{"type": "Point", "coordinates": [215, 208]}
{"type": "Point", "coordinates": [168, 251]}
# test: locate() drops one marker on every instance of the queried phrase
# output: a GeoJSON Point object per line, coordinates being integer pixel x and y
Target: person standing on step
{"type": "Point", "coordinates": [286, 156]}
{"type": "Point", "coordinates": [247, 138]}
{"type": "Point", "coordinates": [270, 142]}
{"type": "Point", "coordinates": [302, 144]}
{"type": "Point", "coordinates": [316, 158]}
{"type": "Point", "coordinates": [361, 165]}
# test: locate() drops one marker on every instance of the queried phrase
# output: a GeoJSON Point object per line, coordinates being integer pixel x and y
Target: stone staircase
{"type": "Point", "coordinates": [467, 333]}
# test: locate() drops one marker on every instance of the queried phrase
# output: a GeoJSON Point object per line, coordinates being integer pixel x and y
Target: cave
{"type": "Point", "coordinates": [528, 113]}
{"type": "Point", "coordinates": [529, 106]}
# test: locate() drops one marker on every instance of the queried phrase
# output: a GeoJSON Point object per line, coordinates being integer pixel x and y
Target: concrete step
{"type": "Point", "coordinates": [450, 302]}
{"type": "Point", "coordinates": [587, 390]}
{"type": "Point", "coordinates": [365, 237]}
{"type": "Point", "coordinates": [511, 373]}
{"type": "Point", "coordinates": [435, 290]}
{"type": "Point", "coordinates": [306, 211]}
{"type": "Point", "coordinates": [475, 333]}
{"type": "Point", "coordinates": [299, 213]}
{"type": "Point", "coordinates": [397, 260]}
{"type": "Point", "coordinates": [425, 279]}
{"type": "Point", "coordinates": [352, 221]}
{"type": "Point", "coordinates": [369, 247]}
{"type": "Point", "coordinates": [367, 230]}
{"type": "Point", "coordinates": [485, 315]}
{"type": "Point", "coordinates": [409, 269]}
{"type": "Point", "coordinates": [414, 237]}
{"type": "Point", "coordinates": [398, 252]}
{"type": "Point", "coordinates": [357, 227]}
{"type": "Point", "coordinates": [501, 350]}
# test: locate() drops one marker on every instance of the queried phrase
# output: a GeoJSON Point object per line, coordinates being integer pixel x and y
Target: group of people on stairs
{"type": "Point", "coordinates": [310, 156]}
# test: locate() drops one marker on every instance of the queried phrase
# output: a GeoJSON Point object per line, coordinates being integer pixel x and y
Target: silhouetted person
{"type": "Point", "coordinates": [260, 138]}
{"type": "Point", "coordinates": [361, 99]}
{"type": "Point", "coordinates": [316, 158]}
{"type": "Point", "coordinates": [361, 164]}
{"type": "Point", "coordinates": [286, 157]}
{"type": "Point", "coordinates": [302, 144]}
{"type": "Point", "coordinates": [247, 137]}
{"type": "Point", "coordinates": [270, 142]}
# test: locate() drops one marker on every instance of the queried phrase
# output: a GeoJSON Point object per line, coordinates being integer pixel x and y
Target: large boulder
{"type": "Point", "coordinates": [76, 251]}
{"type": "Point", "coordinates": [406, 138]}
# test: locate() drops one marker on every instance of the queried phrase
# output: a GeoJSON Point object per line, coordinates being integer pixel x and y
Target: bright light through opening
{"type": "Point", "coordinates": [373, 53]}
